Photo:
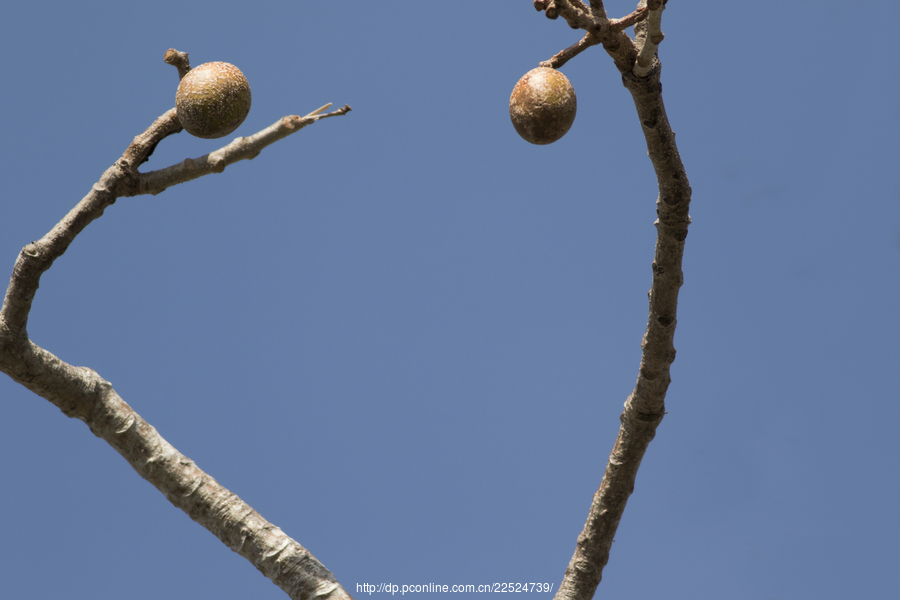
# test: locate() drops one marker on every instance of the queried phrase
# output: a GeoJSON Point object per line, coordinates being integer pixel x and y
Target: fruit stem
{"type": "Point", "coordinates": [179, 60]}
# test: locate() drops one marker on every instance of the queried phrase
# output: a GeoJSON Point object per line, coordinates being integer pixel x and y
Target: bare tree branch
{"type": "Point", "coordinates": [600, 30]}
{"type": "Point", "coordinates": [180, 60]}
{"type": "Point", "coordinates": [242, 148]}
{"type": "Point", "coordinates": [628, 20]}
{"type": "Point", "coordinates": [645, 406]}
{"type": "Point", "coordinates": [123, 179]}
{"type": "Point", "coordinates": [81, 393]}
{"type": "Point", "coordinates": [564, 56]}
{"type": "Point", "coordinates": [576, 14]}
{"type": "Point", "coordinates": [648, 36]}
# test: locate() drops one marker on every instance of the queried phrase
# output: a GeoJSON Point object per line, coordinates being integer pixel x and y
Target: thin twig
{"type": "Point", "coordinates": [123, 179]}
{"type": "Point", "coordinates": [178, 59]}
{"type": "Point", "coordinates": [598, 11]}
{"type": "Point", "coordinates": [628, 20]}
{"type": "Point", "coordinates": [571, 52]}
{"type": "Point", "coordinates": [241, 148]}
{"type": "Point", "coordinates": [608, 32]}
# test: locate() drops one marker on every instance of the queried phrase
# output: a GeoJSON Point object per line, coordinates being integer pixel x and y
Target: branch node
{"type": "Point", "coordinates": [179, 60]}
{"type": "Point", "coordinates": [648, 35]}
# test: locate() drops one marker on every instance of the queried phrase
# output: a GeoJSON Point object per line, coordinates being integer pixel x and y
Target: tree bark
{"type": "Point", "coordinates": [639, 64]}
{"type": "Point", "coordinates": [82, 394]}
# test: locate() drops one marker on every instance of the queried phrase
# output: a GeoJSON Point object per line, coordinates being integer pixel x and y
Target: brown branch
{"type": "Point", "coordinates": [575, 12]}
{"type": "Point", "coordinates": [645, 407]}
{"type": "Point", "coordinates": [562, 57]}
{"type": "Point", "coordinates": [575, 5]}
{"type": "Point", "coordinates": [81, 393]}
{"type": "Point", "coordinates": [598, 11]}
{"type": "Point", "coordinates": [620, 47]}
{"type": "Point", "coordinates": [628, 20]}
{"type": "Point", "coordinates": [178, 59]}
{"type": "Point", "coordinates": [601, 30]}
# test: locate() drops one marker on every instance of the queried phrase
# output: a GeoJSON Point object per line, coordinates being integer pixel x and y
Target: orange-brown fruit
{"type": "Point", "coordinates": [542, 106]}
{"type": "Point", "coordinates": [212, 100]}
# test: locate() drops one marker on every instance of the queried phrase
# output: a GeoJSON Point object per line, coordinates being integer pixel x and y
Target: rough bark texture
{"type": "Point", "coordinates": [645, 407]}
{"type": "Point", "coordinates": [82, 394]}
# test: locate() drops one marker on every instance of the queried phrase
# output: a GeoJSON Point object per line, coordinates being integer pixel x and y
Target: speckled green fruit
{"type": "Point", "coordinates": [542, 106]}
{"type": "Point", "coordinates": [212, 100]}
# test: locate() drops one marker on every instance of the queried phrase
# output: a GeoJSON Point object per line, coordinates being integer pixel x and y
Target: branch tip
{"type": "Point", "coordinates": [318, 110]}
{"type": "Point", "coordinates": [179, 60]}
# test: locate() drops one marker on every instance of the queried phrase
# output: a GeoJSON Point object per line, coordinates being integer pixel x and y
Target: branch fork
{"type": "Point", "coordinates": [628, 54]}
{"type": "Point", "coordinates": [81, 393]}
{"type": "Point", "coordinates": [644, 409]}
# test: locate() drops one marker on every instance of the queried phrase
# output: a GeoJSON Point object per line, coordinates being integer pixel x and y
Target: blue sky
{"type": "Point", "coordinates": [405, 335]}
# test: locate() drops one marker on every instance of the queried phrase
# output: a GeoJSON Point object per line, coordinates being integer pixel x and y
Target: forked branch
{"type": "Point", "coordinates": [81, 393]}
{"type": "Point", "coordinates": [645, 406]}
{"type": "Point", "coordinates": [627, 54]}
{"type": "Point", "coordinates": [242, 148]}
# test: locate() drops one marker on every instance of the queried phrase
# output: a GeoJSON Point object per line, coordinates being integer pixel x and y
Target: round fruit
{"type": "Point", "coordinates": [212, 100]}
{"type": "Point", "coordinates": [542, 106]}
